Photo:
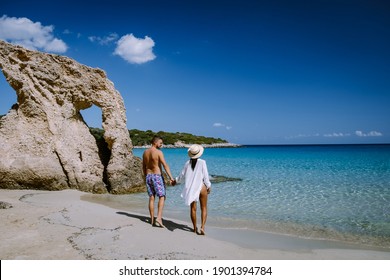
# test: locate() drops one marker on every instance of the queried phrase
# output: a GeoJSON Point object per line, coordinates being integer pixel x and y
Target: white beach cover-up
{"type": "Point", "coordinates": [194, 179]}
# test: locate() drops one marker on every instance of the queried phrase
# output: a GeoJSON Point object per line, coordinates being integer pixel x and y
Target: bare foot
{"type": "Point", "coordinates": [158, 224]}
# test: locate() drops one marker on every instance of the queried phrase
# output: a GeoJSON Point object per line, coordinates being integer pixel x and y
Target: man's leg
{"type": "Point", "coordinates": [151, 208]}
{"type": "Point", "coordinates": [161, 201]}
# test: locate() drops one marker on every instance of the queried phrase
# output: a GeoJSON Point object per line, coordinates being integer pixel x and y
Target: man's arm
{"type": "Point", "coordinates": [166, 167]}
{"type": "Point", "coordinates": [144, 164]}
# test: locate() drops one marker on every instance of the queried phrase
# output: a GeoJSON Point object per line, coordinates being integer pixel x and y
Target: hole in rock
{"type": "Point", "coordinates": [7, 96]}
{"type": "Point", "coordinates": [93, 118]}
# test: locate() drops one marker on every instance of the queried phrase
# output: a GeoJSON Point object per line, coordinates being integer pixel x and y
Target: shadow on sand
{"type": "Point", "coordinates": [170, 225]}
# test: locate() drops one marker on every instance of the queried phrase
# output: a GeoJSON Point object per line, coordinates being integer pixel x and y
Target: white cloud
{"type": "Point", "coordinates": [31, 35]}
{"type": "Point", "coordinates": [104, 40]}
{"type": "Point", "coordinates": [303, 136]}
{"type": "Point", "coordinates": [369, 134]}
{"type": "Point", "coordinates": [135, 50]}
{"type": "Point", "coordinates": [217, 124]}
{"type": "Point", "coordinates": [335, 134]}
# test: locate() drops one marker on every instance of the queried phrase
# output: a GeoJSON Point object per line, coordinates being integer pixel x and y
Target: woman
{"type": "Point", "coordinates": [197, 185]}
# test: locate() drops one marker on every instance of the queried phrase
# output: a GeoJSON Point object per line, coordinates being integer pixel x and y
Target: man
{"type": "Point", "coordinates": [152, 163]}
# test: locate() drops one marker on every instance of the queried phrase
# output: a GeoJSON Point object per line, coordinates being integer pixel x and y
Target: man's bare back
{"type": "Point", "coordinates": [152, 162]}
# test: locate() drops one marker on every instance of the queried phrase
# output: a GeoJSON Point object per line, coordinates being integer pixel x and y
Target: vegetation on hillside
{"type": "Point", "coordinates": [141, 138]}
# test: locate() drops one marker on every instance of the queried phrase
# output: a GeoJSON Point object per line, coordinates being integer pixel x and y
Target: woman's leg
{"type": "Point", "coordinates": [193, 214]}
{"type": "Point", "coordinates": [203, 207]}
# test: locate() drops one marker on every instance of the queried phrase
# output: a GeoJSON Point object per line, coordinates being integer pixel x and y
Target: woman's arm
{"type": "Point", "coordinates": [182, 175]}
{"type": "Point", "coordinates": [206, 178]}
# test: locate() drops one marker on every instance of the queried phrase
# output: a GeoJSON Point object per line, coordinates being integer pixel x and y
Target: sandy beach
{"type": "Point", "coordinates": [61, 225]}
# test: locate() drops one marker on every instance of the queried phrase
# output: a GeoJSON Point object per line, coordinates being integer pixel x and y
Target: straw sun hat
{"type": "Point", "coordinates": [195, 151]}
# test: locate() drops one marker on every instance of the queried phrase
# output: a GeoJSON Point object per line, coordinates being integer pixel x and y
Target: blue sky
{"type": "Point", "coordinates": [251, 72]}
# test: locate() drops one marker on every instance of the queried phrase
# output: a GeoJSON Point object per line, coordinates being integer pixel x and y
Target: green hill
{"type": "Point", "coordinates": [142, 138]}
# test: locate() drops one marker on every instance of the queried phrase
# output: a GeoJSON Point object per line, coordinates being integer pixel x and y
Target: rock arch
{"type": "Point", "coordinates": [44, 141]}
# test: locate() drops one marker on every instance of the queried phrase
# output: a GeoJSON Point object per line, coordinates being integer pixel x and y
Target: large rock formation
{"type": "Point", "coordinates": [44, 141]}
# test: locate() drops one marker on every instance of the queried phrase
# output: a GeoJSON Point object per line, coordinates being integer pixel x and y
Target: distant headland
{"type": "Point", "coordinates": [141, 139]}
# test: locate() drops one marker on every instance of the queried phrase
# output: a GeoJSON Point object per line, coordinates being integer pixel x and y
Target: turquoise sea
{"type": "Point", "coordinates": [332, 192]}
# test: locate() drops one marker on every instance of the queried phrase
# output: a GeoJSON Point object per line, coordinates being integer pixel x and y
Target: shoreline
{"type": "Point", "coordinates": [66, 225]}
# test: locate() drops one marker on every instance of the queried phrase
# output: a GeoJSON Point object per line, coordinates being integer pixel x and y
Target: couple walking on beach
{"type": "Point", "coordinates": [197, 184]}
